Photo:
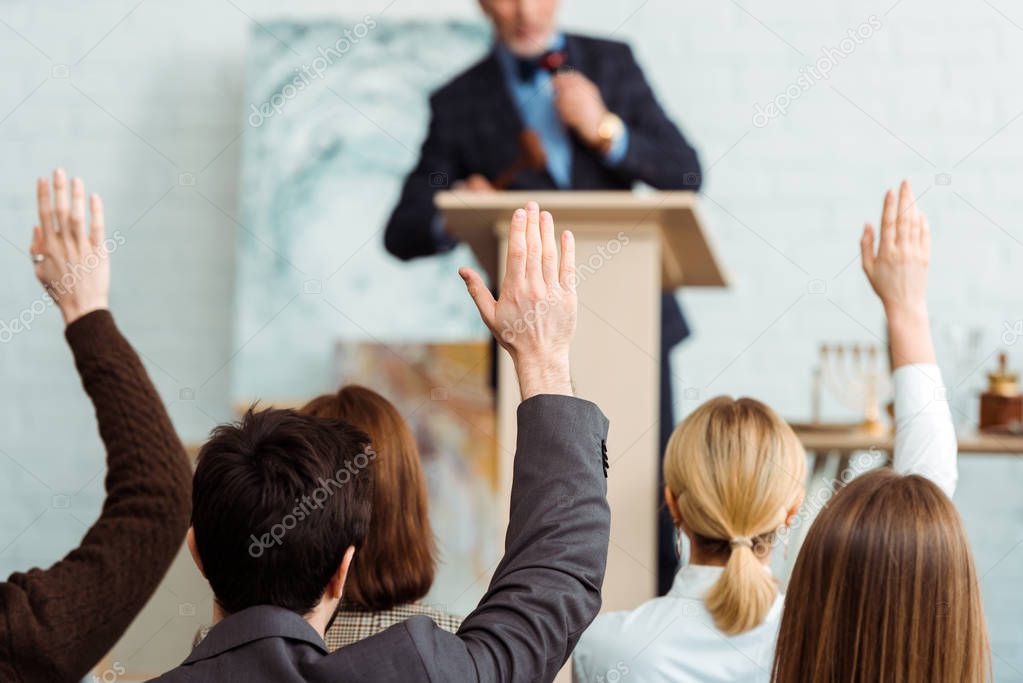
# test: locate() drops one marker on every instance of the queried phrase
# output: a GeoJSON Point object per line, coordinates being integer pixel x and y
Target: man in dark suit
{"type": "Point", "coordinates": [601, 129]}
{"type": "Point", "coordinates": [281, 503]}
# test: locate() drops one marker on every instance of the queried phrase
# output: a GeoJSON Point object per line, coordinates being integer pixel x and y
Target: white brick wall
{"type": "Point", "coordinates": [154, 90]}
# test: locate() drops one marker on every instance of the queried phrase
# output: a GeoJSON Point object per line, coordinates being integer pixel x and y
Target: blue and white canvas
{"type": "Point", "coordinates": [334, 114]}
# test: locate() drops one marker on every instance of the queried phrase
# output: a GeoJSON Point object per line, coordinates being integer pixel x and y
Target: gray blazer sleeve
{"type": "Point", "coordinates": [546, 590]}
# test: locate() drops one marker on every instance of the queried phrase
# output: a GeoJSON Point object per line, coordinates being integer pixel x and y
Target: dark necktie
{"type": "Point", "coordinates": [549, 61]}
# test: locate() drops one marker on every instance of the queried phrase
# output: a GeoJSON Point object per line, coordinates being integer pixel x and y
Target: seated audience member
{"type": "Point", "coordinates": [57, 623]}
{"type": "Point", "coordinates": [396, 563]}
{"type": "Point", "coordinates": [885, 587]}
{"type": "Point", "coordinates": [735, 475]}
{"type": "Point", "coordinates": [282, 502]}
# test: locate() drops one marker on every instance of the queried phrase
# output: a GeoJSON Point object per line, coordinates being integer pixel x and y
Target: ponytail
{"type": "Point", "coordinates": [742, 596]}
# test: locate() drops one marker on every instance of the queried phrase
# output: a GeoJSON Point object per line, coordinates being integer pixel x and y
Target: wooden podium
{"type": "Point", "coordinates": [629, 247]}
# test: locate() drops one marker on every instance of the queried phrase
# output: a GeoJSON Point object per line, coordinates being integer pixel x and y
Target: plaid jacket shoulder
{"type": "Point", "coordinates": [351, 626]}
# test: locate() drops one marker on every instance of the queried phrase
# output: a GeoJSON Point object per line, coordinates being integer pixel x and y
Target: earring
{"type": "Point", "coordinates": [681, 548]}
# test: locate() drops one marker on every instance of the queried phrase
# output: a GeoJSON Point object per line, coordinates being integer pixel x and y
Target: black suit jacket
{"type": "Point", "coordinates": [475, 126]}
{"type": "Point", "coordinates": [544, 593]}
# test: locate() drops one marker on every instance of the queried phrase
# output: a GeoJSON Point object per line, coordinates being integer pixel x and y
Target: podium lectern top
{"type": "Point", "coordinates": [688, 258]}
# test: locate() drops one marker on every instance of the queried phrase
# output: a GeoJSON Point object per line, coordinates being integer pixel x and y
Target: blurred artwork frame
{"type": "Point", "coordinates": [330, 128]}
{"type": "Point", "coordinates": [443, 391]}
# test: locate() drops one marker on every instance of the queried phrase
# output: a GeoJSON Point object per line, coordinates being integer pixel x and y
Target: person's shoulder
{"type": "Point", "coordinates": [424, 626]}
{"type": "Point", "coordinates": [465, 83]}
{"type": "Point", "coordinates": [181, 674]}
{"type": "Point", "coordinates": [604, 644]}
{"type": "Point", "coordinates": [653, 640]}
{"type": "Point", "coordinates": [441, 653]}
{"type": "Point", "coordinates": [613, 632]}
{"type": "Point", "coordinates": [394, 654]}
{"type": "Point", "coordinates": [446, 620]}
{"type": "Point", "coordinates": [605, 629]}
{"type": "Point", "coordinates": [600, 47]}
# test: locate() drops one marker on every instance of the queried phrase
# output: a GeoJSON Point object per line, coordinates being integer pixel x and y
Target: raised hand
{"type": "Point", "coordinates": [72, 264]}
{"type": "Point", "coordinates": [534, 316]}
{"type": "Point", "coordinates": [898, 273]}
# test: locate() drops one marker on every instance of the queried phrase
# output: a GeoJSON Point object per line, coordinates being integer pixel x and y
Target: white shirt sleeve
{"type": "Point", "coordinates": [925, 438]}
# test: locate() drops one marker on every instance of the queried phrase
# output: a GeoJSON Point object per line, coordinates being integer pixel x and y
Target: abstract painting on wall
{"type": "Point", "coordinates": [444, 393]}
{"type": "Point", "coordinates": [333, 117]}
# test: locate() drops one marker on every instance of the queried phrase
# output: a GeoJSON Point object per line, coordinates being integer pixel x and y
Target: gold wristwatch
{"type": "Point", "coordinates": [609, 129]}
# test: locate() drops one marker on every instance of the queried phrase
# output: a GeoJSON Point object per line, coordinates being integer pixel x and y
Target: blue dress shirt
{"type": "Point", "coordinates": [534, 99]}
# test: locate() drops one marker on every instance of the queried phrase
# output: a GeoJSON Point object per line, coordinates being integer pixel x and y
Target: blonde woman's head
{"type": "Point", "coordinates": [735, 473]}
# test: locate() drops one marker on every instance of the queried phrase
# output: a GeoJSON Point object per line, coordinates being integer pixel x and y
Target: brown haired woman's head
{"type": "Point", "coordinates": [397, 562]}
{"type": "Point", "coordinates": [884, 589]}
{"type": "Point", "coordinates": [735, 473]}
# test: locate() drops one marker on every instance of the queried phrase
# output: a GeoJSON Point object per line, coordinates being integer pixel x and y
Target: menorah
{"type": "Point", "coordinates": [857, 376]}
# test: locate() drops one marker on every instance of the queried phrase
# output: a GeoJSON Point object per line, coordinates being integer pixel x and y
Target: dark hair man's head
{"type": "Point", "coordinates": [280, 500]}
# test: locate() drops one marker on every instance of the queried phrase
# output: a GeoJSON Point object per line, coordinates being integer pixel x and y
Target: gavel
{"type": "Point", "coordinates": [531, 157]}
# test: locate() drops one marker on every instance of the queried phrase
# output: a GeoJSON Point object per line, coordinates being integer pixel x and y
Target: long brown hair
{"type": "Point", "coordinates": [736, 469]}
{"type": "Point", "coordinates": [884, 589]}
{"type": "Point", "coordinates": [397, 562]}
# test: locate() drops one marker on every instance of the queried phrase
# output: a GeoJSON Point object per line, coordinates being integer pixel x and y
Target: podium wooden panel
{"type": "Point", "coordinates": [628, 248]}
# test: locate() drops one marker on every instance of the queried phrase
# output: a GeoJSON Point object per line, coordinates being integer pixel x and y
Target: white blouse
{"type": "Point", "coordinates": [673, 639]}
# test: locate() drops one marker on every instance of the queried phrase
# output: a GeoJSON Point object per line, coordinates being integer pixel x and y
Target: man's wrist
{"type": "Point", "coordinates": [544, 376]}
{"type": "Point", "coordinates": [610, 129]}
{"type": "Point", "coordinates": [589, 136]}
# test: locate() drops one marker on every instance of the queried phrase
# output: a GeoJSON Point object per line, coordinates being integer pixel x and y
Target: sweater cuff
{"type": "Point", "coordinates": [92, 333]}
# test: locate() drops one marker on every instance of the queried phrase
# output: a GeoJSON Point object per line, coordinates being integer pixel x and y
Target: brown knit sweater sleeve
{"type": "Point", "coordinates": [57, 623]}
